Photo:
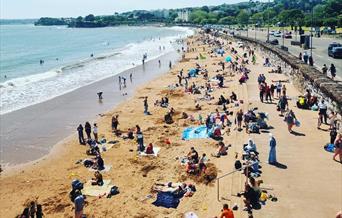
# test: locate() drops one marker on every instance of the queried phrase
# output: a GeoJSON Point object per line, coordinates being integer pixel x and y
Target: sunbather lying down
{"type": "Point", "coordinates": [182, 189]}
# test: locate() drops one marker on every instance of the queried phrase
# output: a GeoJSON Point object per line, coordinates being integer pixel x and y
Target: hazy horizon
{"type": "Point", "coordinates": [33, 9]}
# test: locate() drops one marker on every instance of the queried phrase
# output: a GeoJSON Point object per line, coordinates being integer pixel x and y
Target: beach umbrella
{"type": "Point", "coordinates": [228, 59]}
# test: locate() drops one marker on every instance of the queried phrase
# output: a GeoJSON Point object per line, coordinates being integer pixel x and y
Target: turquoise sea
{"type": "Point", "coordinates": [66, 53]}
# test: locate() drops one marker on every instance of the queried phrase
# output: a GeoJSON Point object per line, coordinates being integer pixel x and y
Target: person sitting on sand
{"type": "Point", "coordinates": [190, 167]}
{"type": "Point", "coordinates": [130, 134]}
{"type": "Point", "coordinates": [251, 147]}
{"type": "Point", "coordinates": [251, 198]}
{"type": "Point", "coordinates": [149, 149]}
{"type": "Point", "coordinates": [193, 156]}
{"type": "Point", "coordinates": [98, 180]}
{"type": "Point", "coordinates": [233, 97]}
{"type": "Point", "coordinates": [222, 150]}
{"type": "Point", "coordinates": [226, 212]}
{"type": "Point", "coordinates": [99, 163]}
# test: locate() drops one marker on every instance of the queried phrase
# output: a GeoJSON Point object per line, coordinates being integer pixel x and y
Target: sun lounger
{"type": "Point", "coordinates": [95, 190]}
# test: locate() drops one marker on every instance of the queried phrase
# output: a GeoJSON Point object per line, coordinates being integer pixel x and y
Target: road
{"type": "Point", "coordinates": [319, 51]}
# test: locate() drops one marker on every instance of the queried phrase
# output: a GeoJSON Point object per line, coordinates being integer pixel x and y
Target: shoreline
{"type": "Point", "coordinates": [12, 121]}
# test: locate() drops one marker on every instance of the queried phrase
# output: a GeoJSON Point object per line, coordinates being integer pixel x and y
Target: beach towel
{"type": "Point", "coordinates": [167, 200]}
{"type": "Point", "coordinates": [199, 132]}
{"type": "Point", "coordinates": [155, 152]}
{"type": "Point", "coordinates": [95, 190]}
{"type": "Point", "coordinates": [329, 148]}
{"type": "Point", "coordinates": [228, 59]}
{"type": "Point", "coordinates": [202, 57]}
{"type": "Point", "coordinates": [106, 169]}
{"type": "Point", "coordinates": [105, 147]}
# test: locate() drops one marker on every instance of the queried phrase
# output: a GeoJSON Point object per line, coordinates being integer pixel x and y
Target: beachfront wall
{"type": "Point", "coordinates": [303, 75]}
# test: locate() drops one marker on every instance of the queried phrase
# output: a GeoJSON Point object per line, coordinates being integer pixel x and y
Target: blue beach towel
{"type": "Point", "coordinates": [199, 132]}
{"type": "Point", "coordinates": [193, 72]}
{"type": "Point", "coordinates": [329, 148]}
{"type": "Point", "coordinates": [166, 199]}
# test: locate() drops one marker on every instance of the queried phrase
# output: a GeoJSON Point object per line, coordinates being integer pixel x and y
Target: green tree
{"type": "Point", "coordinates": [90, 18]}
{"type": "Point", "coordinates": [229, 20]}
{"type": "Point", "coordinates": [242, 17]}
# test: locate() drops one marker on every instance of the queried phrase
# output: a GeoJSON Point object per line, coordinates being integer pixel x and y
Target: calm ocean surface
{"type": "Point", "coordinates": [67, 62]}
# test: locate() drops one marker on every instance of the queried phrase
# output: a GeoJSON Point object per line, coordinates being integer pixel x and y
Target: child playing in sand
{"type": "Point", "coordinates": [98, 180]}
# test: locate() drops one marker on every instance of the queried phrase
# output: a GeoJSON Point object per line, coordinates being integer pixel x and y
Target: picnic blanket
{"type": "Point", "coordinates": [155, 152]}
{"type": "Point", "coordinates": [167, 200]}
{"type": "Point", "coordinates": [105, 147]}
{"type": "Point", "coordinates": [329, 148]}
{"type": "Point", "coordinates": [199, 132]}
{"type": "Point", "coordinates": [106, 169]}
{"type": "Point", "coordinates": [95, 190]}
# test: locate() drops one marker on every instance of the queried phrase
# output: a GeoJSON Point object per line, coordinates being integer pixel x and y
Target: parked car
{"type": "Point", "coordinates": [273, 42]}
{"type": "Point", "coordinates": [271, 33]}
{"type": "Point", "coordinates": [240, 44]}
{"type": "Point", "coordinates": [287, 36]}
{"type": "Point", "coordinates": [277, 34]}
{"type": "Point", "coordinates": [336, 52]}
{"type": "Point", "coordinates": [333, 45]}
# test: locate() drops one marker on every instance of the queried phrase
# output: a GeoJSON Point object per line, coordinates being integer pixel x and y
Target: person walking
{"type": "Point", "coordinates": [115, 123]}
{"type": "Point", "coordinates": [323, 111]}
{"type": "Point", "coordinates": [278, 88]}
{"type": "Point", "coordinates": [282, 104]}
{"type": "Point", "coordinates": [325, 69]}
{"type": "Point", "coordinates": [261, 91]}
{"type": "Point", "coordinates": [79, 204]}
{"type": "Point", "coordinates": [145, 106]}
{"type": "Point", "coordinates": [332, 71]}
{"type": "Point", "coordinates": [95, 132]}
{"type": "Point", "coordinates": [80, 134]}
{"type": "Point", "coordinates": [268, 93]}
{"type": "Point", "coordinates": [87, 128]}
{"type": "Point", "coordinates": [272, 157]}
{"type": "Point", "coordinates": [290, 120]}
{"type": "Point", "coordinates": [338, 148]}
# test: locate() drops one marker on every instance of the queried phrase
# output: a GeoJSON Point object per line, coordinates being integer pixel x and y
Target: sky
{"type": "Point", "coordinates": [18, 9]}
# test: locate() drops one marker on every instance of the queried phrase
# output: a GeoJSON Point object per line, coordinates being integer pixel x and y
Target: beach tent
{"type": "Point", "coordinates": [220, 51]}
{"type": "Point", "coordinates": [199, 132]}
{"type": "Point", "coordinates": [228, 59]}
{"type": "Point", "coordinates": [193, 72]}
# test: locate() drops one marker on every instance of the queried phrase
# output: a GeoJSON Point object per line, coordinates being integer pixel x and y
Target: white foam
{"type": "Point", "coordinates": [25, 91]}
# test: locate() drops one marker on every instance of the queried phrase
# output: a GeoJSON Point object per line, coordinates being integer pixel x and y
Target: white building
{"type": "Point", "coordinates": [183, 15]}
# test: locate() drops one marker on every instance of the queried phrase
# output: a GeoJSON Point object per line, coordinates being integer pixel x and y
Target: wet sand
{"type": "Point", "coordinates": [36, 129]}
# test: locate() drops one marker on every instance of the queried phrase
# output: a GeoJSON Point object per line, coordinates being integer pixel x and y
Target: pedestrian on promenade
{"type": "Point", "coordinates": [338, 148]}
{"type": "Point", "coordinates": [311, 62]}
{"type": "Point", "coordinates": [325, 69]}
{"type": "Point", "coordinates": [272, 157]}
{"type": "Point", "coordinates": [290, 119]}
{"type": "Point", "coordinates": [332, 71]}
{"type": "Point", "coordinates": [322, 107]}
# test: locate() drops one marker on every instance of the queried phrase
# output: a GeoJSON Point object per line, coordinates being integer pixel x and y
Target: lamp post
{"type": "Point", "coordinates": [311, 30]}
{"type": "Point", "coordinates": [268, 21]}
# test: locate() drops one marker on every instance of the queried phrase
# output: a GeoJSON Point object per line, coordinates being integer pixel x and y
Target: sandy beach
{"type": "Point", "coordinates": [306, 182]}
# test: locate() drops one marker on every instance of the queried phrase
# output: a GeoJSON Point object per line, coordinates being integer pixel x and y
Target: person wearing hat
{"type": "Point", "coordinates": [272, 158]}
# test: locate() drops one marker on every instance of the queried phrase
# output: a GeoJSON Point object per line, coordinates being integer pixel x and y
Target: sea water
{"type": "Point", "coordinates": [73, 57]}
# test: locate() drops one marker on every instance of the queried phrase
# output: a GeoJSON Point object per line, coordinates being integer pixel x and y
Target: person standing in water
{"type": "Point", "coordinates": [131, 77]}
{"type": "Point", "coordinates": [145, 106]}
{"type": "Point", "coordinates": [87, 128]}
{"type": "Point", "coordinates": [170, 64]}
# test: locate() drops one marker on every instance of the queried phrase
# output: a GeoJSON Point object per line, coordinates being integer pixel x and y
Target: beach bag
{"type": "Point", "coordinates": [297, 123]}
{"type": "Point", "coordinates": [238, 165]}
{"type": "Point", "coordinates": [114, 190]}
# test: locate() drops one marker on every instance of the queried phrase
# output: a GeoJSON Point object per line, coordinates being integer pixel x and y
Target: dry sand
{"type": "Point", "coordinates": [309, 187]}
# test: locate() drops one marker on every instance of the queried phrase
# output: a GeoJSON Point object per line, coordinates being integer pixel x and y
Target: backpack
{"type": "Point", "coordinates": [238, 165]}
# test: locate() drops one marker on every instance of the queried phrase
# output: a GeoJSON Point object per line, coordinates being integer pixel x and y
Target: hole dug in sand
{"type": "Point", "coordinates": [206, 178]}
